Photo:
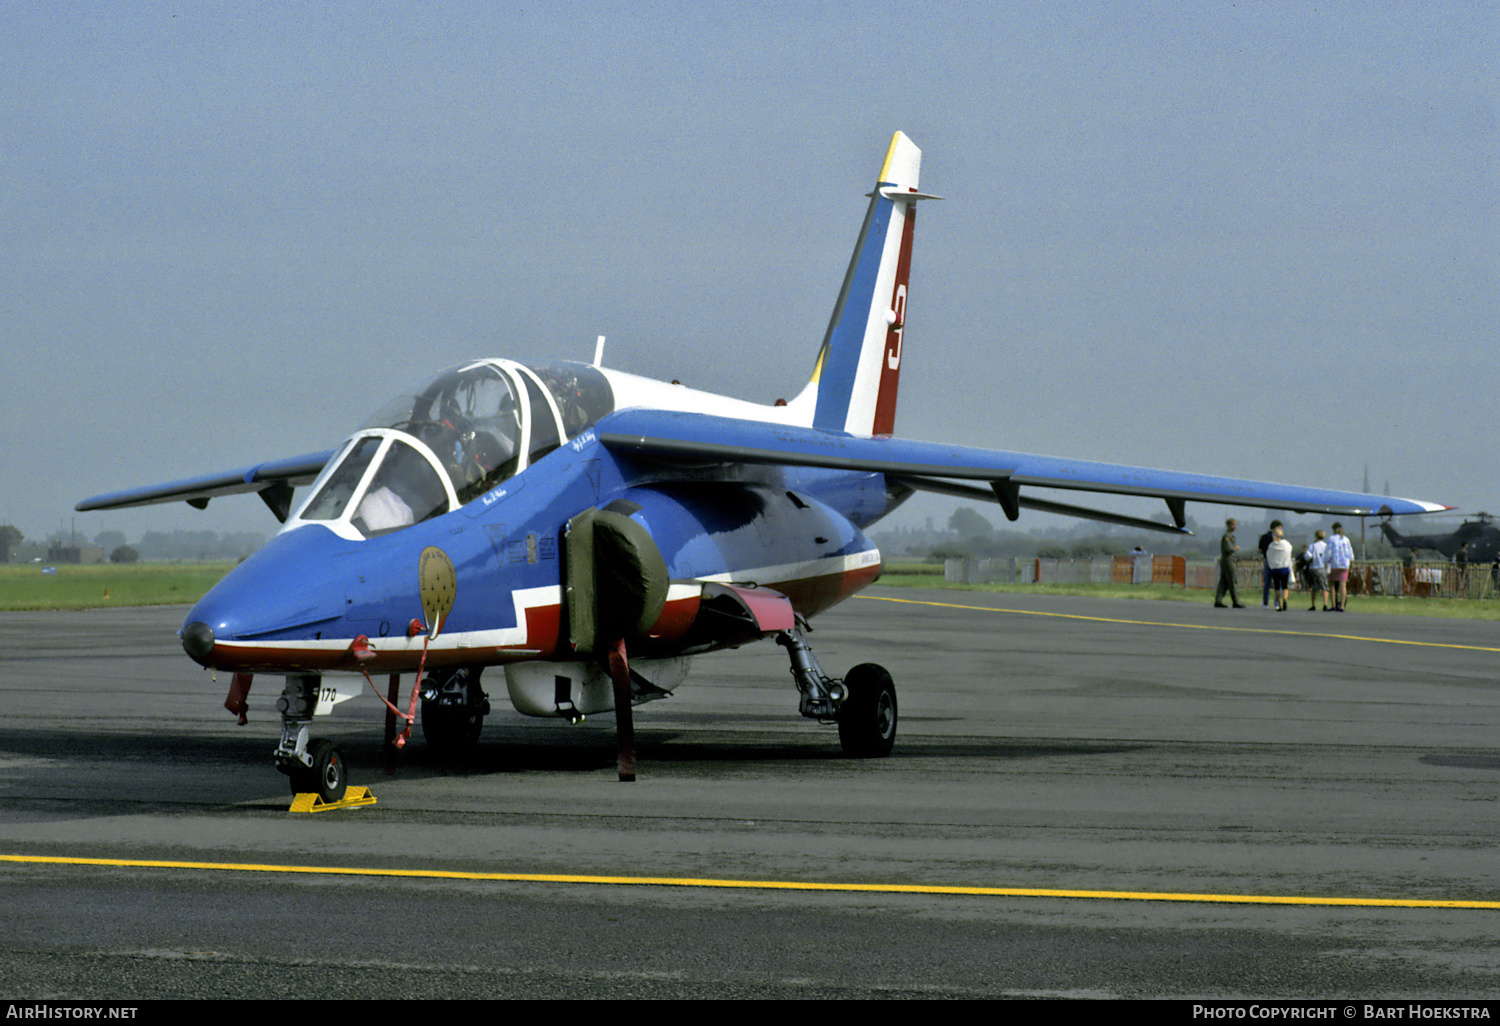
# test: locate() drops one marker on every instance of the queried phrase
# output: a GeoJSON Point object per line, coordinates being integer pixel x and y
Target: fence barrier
{"type": "Point", "coordinates": [1393, 577]}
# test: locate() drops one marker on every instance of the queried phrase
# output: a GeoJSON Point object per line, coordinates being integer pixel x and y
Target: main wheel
{"type": "Point", "coordinates": [327, 775]}
{"type": "Point", "coordinates": [453, 710]}
{"type": "Point", "coordinates": [867, 718]}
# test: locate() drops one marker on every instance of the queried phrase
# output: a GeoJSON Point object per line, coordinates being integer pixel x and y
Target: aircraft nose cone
{"type": "Point", "coordinates": [198, 642]}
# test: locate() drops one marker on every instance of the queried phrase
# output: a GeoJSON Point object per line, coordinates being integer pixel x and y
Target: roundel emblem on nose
{"type": "Point", "coordinates": [438, 584]}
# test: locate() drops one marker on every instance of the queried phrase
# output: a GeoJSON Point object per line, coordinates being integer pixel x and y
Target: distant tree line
{"type": "Point", "coordinates": [199, 544]}
{"type": "Point", "coordinates": [154, 545]}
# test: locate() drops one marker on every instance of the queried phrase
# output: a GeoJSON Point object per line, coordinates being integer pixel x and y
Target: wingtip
{"type": "Point", "coordinates": [1423, 508]}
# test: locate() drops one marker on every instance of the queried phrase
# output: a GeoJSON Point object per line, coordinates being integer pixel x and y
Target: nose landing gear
{"type": "Point", "coordinates": [312, 765]}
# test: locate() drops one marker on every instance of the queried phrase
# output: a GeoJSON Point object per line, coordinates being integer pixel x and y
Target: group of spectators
{"type": "Point", "coordinates": [1323, 566]}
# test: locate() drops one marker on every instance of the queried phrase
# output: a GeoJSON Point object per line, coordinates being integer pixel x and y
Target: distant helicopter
{"type": "Point", "coordinates": [1482, 535]}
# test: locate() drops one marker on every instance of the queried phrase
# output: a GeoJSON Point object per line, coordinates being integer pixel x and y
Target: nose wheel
{"type": "Point", "coordinates": [327, 777]}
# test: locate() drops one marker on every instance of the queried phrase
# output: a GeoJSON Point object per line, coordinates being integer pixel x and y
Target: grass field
{"type": "Point", "coordinates": [158, 584]}
{"type": "Point", "coordinates": [24, 586]}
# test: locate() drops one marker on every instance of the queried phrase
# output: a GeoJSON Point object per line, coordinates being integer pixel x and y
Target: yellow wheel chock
{"type": "Point", "coordinates": [313, 802]}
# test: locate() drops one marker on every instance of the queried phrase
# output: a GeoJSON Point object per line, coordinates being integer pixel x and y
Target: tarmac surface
{"type": "Point", "coordinates": [1162, 761]}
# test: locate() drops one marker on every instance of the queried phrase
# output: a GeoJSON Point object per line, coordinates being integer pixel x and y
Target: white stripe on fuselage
{"type": "Point", "coordinates": [524, 599]}
{"type": "Point", "coordinates": [771, 576]}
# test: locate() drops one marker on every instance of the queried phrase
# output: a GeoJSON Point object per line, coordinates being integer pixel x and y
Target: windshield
{"type": "Point", "coordinates": [404, 488]}
{"type": "Point", "coordinates": [329, 501]}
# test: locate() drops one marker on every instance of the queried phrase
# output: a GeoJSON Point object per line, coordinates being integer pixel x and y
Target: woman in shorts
{"type": "Point", "coordinates": [1279, 566]}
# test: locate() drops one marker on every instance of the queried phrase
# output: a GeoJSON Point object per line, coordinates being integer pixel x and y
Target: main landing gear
{"type": "Point", "coordinates": [867, 719]}
{"type": "Point", "coordinates": [453, 709]}
{"type": "Point", "coordinates": [312, 764]}
{"type": "Point", "coordinates": [863, 704]}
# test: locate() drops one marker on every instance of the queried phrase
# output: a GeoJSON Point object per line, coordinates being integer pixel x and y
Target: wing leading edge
{"type": "Point", "coordinates": [273, 481]}
{"type": "Point", "coordinates": [700, 438]}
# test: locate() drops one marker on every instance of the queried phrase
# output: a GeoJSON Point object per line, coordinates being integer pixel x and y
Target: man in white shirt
{"type": "Point", "coordinates": [1340, 556]}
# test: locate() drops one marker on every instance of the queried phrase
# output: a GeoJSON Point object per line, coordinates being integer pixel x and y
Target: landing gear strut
{"type": "Point", "coordinates": [313, 765]}
{"type": "Point", "coordinates": [821, 694]}
{"type": "Point", "coordinates": [863, 704]}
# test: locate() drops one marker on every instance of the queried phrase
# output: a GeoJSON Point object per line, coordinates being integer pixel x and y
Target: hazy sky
{"type": "Point", "coordinates": [1257, 240]}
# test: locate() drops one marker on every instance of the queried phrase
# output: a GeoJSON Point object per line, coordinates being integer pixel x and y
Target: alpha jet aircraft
{"type": "Point", "coordinates": [581, 532]}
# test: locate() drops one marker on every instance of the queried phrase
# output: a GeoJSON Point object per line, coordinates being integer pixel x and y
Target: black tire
{"type": "Point", "coordinates": [453, 719]}
{"type": "Point", "coordinates": [450, 729]}
{"type": "Point", "coordinates": [327, 777]}
{"type": "Point", "coordinates": [867, 719]}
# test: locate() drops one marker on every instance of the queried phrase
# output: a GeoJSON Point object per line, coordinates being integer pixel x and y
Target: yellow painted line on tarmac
{"type": "Point", "coordinates": [762, 885]}
{"type": "Point", "coordinates": [1185, 626]}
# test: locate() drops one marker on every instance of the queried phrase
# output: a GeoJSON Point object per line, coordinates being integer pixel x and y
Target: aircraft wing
{"type": "Point", "coordinates": [273, 481]}
{"type": "Point", "coordinates": [700, 438]}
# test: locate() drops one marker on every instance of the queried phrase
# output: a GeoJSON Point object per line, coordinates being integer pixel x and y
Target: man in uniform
{"type": "Point", "coordinates": [1227, 549]}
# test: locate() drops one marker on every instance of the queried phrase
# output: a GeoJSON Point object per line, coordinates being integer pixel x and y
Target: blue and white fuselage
{"type": "Point", "coordinates": [394, 490]}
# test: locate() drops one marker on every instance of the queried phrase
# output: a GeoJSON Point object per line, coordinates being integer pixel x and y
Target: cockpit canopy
{"type": "Point", "coordinates": [440, 446]}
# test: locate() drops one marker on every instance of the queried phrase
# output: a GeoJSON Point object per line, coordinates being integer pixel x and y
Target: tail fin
{"type": "Point", "coordinates": [858, 368]}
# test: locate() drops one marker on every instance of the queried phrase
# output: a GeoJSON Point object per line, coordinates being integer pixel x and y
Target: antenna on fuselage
{"type": "Point", "coordinates": [599, 352]}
